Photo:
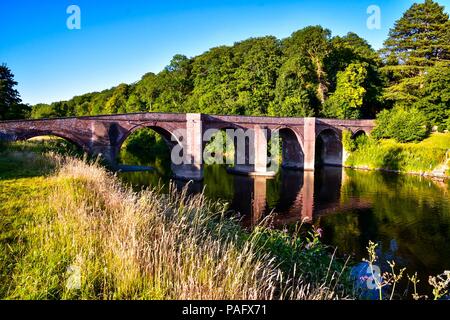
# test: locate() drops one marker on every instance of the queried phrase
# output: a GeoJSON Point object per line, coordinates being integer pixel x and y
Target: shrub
{"type": "Point", "coordinates": [381, 129]}
{"type": "Point", "coordinates": [447, 124]}
{"type": "Point", "coordinates": [442, 127]}
{"type": "Point", "coordinates": [402, 125]}
{"type": "Point", "coordinates": [347, 141]}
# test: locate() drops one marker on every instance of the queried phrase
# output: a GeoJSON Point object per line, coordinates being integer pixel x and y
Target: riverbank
{"type": "Point", "coordinates": [430, 157]}
{"type": "Point", "coordinates": [71, 230]}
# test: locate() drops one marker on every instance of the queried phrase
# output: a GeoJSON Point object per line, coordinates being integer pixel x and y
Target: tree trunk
{"type": "Point", "coordinates": [322, 87]}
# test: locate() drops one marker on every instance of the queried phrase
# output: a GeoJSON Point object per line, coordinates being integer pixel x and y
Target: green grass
{"type": "Point", "coordinates": [422, 157]}
{"type": "Point", "coordinates": [24, 190]}
{"type": "Point", "coordinates": [42, 145]}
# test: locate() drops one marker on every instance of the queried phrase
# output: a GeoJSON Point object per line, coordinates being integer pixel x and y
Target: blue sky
{"type": "Point", "coordinates": [119, 41]}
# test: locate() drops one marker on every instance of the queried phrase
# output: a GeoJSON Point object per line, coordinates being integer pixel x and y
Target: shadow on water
{"type": "Point", "coordinates": [408, 216]}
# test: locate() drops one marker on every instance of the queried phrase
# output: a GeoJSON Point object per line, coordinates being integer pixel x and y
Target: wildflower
{"type": "Point", "coordinates": [319, 232]}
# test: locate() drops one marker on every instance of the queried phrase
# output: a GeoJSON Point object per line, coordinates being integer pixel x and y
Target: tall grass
{"type": "Point", "coordinates": [97, 239]}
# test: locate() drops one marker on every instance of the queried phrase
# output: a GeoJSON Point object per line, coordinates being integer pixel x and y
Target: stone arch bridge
{"type": "Point", "coordinates": [303, 139]}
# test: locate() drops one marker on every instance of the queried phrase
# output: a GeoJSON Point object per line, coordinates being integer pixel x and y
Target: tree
{"type": "Point", "coordinates": [257, 76]}
{"type": "Point", "coordinates": [347, 101]}
{"type": "Point", "coordinates": [256, 62]}
{"type": "Point", "coordinates": [295, 89]}
{"type": "Point", "coordinates": [418, 40]}
{"type": "Point", "coordinates": [213, 79]}
{"type": "Point", "coordinates": [435, 95]}
{"type": "Point", "coordinates": [146, 90]}
{"type": "Point", "coordinates": [134, 104]}
{"type": "Point", "coordinates": [118, 101]}
{"type": "Point", "coordinates": [314, 43]}
{"type": "Point", "coordinates": [10, 102]}
{"type": "Point", "coordinates": [353, 49]}
{"type": "Point", "coordinates": [173, 85]}
{"type": "Point", "coordinates": [42, 110]}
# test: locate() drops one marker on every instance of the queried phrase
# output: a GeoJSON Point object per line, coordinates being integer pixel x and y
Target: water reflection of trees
{"type": "Point", "coordinates": [415, 211]}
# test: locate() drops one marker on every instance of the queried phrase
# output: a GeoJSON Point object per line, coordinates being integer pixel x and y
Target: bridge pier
{"type": "Point", "coordinates": [251, 156]}
{"type": "Point", "coordinates": [309, 145]}
{"type": "Point", "coordinates": [107, 153]}
{"type": "Point", "coordinates": [192, 166]}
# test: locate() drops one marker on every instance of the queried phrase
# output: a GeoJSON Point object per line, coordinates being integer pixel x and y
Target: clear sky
{"type": "Point", "coordinates": [119, 41]}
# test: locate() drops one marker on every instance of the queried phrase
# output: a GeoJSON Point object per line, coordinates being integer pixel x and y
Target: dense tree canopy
{"type": "Point", "coordinates": [434, 98]}
{"type": "Point", "coordinates": [347, 101]}
{"type": "Point", "coordinates": [314, 43]}
{"type": "Point", "coordinates": [418, 40]}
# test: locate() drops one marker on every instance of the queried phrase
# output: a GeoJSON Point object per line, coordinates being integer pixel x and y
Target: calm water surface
{"type": "Point", "coordinates": [408, 216]}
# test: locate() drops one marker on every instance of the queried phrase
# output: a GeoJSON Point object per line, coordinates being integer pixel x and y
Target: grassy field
{"type": "Point", "coordinates": [422, 157]}
{"type": "Point", "coordinates": [71, 230]}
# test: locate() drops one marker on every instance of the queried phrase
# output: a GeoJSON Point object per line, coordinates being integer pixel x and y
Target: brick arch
{"type": "Point", "coordinates": [49, 132]}
{"type": "Point", "coordinates": [336, 131]}
{"type": "Point", "coordinates": [292, 147]}
{"type": "Point", "coordinates": [329, 147]}
{"type": "Point", "coordinates": [223, 126]}
{"type": "Point", "coordinates": [358, 132]}
{"type": "Point", "coordinates": [166, 132]}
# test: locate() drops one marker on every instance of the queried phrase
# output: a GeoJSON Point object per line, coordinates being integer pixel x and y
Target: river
{"type": "Point", "coordinates": [409, 216]}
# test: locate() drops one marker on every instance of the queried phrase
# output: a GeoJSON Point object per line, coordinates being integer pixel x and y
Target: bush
{"type": "Point", "coordinates": [447, 124]}
{"type": "Point", "coordinates": [441, 128]}
{"type": "Point", "coordinates": [347, 141]}
{"type": "Point", "coordinates": [402, 125]}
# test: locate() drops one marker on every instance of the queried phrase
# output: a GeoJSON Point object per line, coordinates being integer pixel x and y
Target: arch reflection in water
{"type": "Point", "coordinates": [290, 195]}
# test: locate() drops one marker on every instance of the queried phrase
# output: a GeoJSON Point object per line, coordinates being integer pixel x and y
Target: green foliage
{"type": "Point", "coordinates": [447, 124]}
{"type": "Point", "coordinates": [47, 144]}
{"type": "Point", "coordinates": [305, 252]}
{"type": "Point", "coordinates": [347, 141]}
{"type": "Point", "coordinates": [435, 94]}
{"type": "Point", "coordinates": [347, 101]}
{"type": "Point", "coordinates": [307, 74]}
{"type": "Point", "coordinates": [220, 148]}
{"type": "Point", "coordinates": [236, 80]}
{"type": "Point", "coordinates": [257, 76]}
{"type": "Point", "coordinates": [402, 125]}
{"type": "Point", "coordinates": [418, 40]}
{"type": "Point", "coordinates": [404, 157]}
{"type": "Point", "coordinates": [146, 141]}
{"type": "Point", "coordinates": [295, 93]}
{"type": "Point", "coordinates": [54, 110]}
{"type": "Point", "coordinates": [118, 101]}
{"type": "Point", "coordinates": [312, 42]}
{"type": "Point", "coordinates": [411, 125]}
{"type": "Point", "coordinates": [352, 49]}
